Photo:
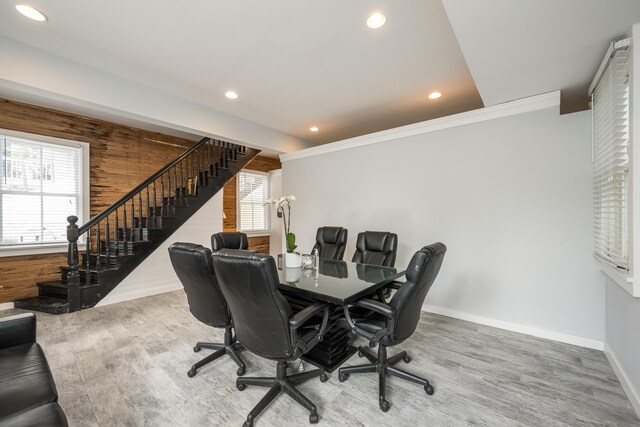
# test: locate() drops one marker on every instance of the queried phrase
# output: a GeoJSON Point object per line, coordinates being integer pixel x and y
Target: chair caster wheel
{"type": "Point", "coordinates": [372, 344]}
{"type": "Point", "coordinates": [196, 349]}
{"type": "Point", "coordinates": [324, 377]}
{"type": "Point", "coordinates": [248, 424]}
{"type": "Point", "coordinates": [343, 377]}
{"type": "Point", "coordinates": [384, 405]}
{"type": "Point", "coordinates": [429, 389]}
{"type": "Point", "coordinates": [360, 353]}
{"type": "Point", "coordinates": [313, 418]}
{"type": "Point", "coordinates": [192, 372]}
{"type": "Point", "coordinates": [406, 359]}
{"type": "Point", "coordinates": [242, 387]}
{"type": "Point", "coordinates": [241, 371]}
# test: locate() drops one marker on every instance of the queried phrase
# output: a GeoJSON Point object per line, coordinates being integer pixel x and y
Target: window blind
{"type": "Point", "coordinates": [40, 187]}
{"type": "Point", "coordinates": [253, 191]}
{"type": "Point", "coordinates": [611, 151]}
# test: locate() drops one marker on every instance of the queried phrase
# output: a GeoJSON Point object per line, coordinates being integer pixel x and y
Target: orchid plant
{"type": "Point", "coordinates": [285, 203]}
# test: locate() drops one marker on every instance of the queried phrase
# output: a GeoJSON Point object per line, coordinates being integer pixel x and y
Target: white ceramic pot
{"type": "Point", "coordinates": [292, 260]}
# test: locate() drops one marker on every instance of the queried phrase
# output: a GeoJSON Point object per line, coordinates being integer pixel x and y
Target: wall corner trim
{"type": "Point", "coordinates": [632, 394]}
{"type": "Point", "coordinates": [516, 327]}
{"type": "Point", "coordinates": [519, 106]}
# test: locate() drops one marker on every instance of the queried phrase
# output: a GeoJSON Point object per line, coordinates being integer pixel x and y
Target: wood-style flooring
{"type": "Point", "coordinates": [126, 365]}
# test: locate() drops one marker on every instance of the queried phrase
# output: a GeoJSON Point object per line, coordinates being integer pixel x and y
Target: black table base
{"type": "Point", "coordinates": [334, 349]}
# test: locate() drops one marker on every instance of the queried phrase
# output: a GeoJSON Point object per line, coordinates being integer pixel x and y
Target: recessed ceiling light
{"type": "Point", "coordinates": [31, 13]}
{"type": "Point", "coordinates": [314, 129]}
{"type": "Point", "coordinates": [231, 94]}
{"type": "Point", "coordinates": [376, 20]}
{"type": "Point", "coordinates": [435, 95]}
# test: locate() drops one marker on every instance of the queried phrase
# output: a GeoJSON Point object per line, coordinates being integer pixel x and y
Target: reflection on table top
{"type": "Point", "coordinates": [337, 282]}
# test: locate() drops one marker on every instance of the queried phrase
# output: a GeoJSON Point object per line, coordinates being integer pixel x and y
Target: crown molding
{"type": "Point", "coordinates": [524, 105]}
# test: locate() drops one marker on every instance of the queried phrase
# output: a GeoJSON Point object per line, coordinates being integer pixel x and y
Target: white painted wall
{"type": "Point", "coordinates": [510, 197]}
{"type": "Point", "coordinates": [33, 75]}
{"type": "Point", "coordinates": [155, 275]}
{"type": "Point", "coordinates": [276, 238]}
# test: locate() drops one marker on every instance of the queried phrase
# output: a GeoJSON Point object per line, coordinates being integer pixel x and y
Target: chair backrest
{"type": "Point", "coordinates": [192, 263]}
{"type": "Point", "coordinates": [376, 248]}
{"type": "Point", "coordinates": [421, 272]}
{"type": "Point", "coordinates": [229, 240]}
{"type": "Point", "coordinates": [249, 282]}
{"type": "Point", "coordinates": [331, 242]}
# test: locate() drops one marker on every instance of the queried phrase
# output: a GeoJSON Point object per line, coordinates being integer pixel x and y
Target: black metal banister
{"type": "Point", "coordinates": [173, 164]}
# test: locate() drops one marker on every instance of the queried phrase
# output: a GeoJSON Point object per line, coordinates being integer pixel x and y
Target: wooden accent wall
{"type": "Point", "coordinates": [261, 164]}
{"type": "Point", "coordinates": [120, 158]}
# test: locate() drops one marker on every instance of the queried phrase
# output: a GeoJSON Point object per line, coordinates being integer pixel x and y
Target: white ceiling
{"type": "Point", "coordinates": [294, 63]}
{"type": "Point", "coordinates": [519, 48]}
{"type": "Point", "coordinates": [299, 63]}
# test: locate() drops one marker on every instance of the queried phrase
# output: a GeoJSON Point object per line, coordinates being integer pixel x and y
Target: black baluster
{"type": "Point", "coordinates": [124, 226]}
{"type": "Point", "coordinates": [115, 233]}
{"type": "Point", "coordinates": [175, 184]}
{"type": "Point", "coordinates": [162, 195]}
{"type": "Point", "coordinates": [133, 219]}
{"type": "Point", "coordinates": [182, 184]}
{"type": "Point", "coordinates": [87, 254]}
{"type": "Point", "coordinates": [140, 213]}
{"type": "Point", "coordinates": [107, 243]}
{"type": "Point", "coordinates": [98, 241]}
{"type": "Point", "coordinates": [148, 205]}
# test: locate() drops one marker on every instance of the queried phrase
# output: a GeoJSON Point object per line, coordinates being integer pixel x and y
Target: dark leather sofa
{"type": "Point", "coordinates": [28, 395]}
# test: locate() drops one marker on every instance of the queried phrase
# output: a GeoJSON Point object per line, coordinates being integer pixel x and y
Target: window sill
{"type": "Point", "coordinates": [624, 280]}
{"type": "Point", "coordinates": [262, 234]}
{"type": "Point", "coordinates": [36, 250]}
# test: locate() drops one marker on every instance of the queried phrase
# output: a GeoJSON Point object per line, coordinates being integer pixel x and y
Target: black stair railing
{"type": "Point", "coordinates": [118, 228]}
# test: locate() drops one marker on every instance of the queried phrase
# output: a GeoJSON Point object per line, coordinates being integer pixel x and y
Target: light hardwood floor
{"type": "Point", "coordinates": [126, 364]}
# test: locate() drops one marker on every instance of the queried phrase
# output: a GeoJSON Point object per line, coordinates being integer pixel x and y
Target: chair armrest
{"type": "Point", "coordinates": [377, 306]}
{"type": "Point", "coordinates": [302, 317]}
{"type": "Point", "coordinates": [394, 285]}
{"type": "Point", "coordinates": [17, 330]}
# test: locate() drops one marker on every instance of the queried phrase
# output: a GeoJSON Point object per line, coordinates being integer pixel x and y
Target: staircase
{"type": "Point", "coordinates": [118, 239]}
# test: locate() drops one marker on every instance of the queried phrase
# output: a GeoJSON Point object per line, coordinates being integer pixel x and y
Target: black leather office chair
{"type": "Point", "coordinates": [192, 263]}
{"type": "Point", "coordinates": [229, 240]}
{"type": "Point", "coordinates": [393, 323]}
{"type": "Point", "coordinates": [266, 325]}
{"type": "Point", "coordinates": [331, 242]}
{"type": "Point", "coordinates": [333, 268]}
{"type": "Point", "coordinates": [377, 248]}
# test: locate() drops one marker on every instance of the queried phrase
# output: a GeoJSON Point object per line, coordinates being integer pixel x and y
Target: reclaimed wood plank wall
{"type": "Point", "coordinates": [261, 164]}
{"type": "Point", "coordinates": [120, 158]}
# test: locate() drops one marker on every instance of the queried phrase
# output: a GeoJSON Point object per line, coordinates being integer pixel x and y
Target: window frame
{"type": "Point", "coordinates": [257, 233]}
{"type": "Point", "coordinates": [84, 192]}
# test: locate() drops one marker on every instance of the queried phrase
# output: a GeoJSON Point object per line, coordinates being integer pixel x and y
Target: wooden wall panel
{"type": "Point", "coordinates": [120, 158]}
{"type": "Point", "coordinates": [229, 203]}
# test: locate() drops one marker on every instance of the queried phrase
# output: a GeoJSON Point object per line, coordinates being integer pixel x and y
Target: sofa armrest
{"type": "Point", "coordinates": [18, 329]}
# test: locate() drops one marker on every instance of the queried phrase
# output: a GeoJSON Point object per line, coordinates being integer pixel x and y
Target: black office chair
{"type": "Point", "coordinates": [331, 242]}
{"type": "Point", "coordinates": [393, 323]}
{"type": "Point", "coordinates": [377, 248]}
{"type": "Point", "coordinates": [266, 325]}
{"type": "Point", "coordinates": [192, 263]}
{"type": "Point", "coordinates": [229, 240]}
{"type": "Point", "coordinates": [333, 268]}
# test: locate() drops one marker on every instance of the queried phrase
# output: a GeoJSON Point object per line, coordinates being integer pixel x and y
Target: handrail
{"type": "Point", "coordinates": [121, 201]}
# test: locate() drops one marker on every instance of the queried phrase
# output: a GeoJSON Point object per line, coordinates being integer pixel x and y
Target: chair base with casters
{"type": "Point", "coordinates": [281, 383]}
{"type": "Point", "coordinates": [383, 366]}
{"type": "Point", "coordinates": [230, 348]}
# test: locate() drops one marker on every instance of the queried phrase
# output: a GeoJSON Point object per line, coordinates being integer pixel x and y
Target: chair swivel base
{"type": "Point", "coordinates": [281, 383]}
{"type": "Point", "coordinates": [383, 366]}
{"type": "Point", "coordinates": [230, 348]}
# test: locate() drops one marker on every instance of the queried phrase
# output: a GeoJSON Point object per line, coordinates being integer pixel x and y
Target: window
{"type": "Point", "coordinates": [611, 155]}
{"type": "Point", "coordinates": [40, 186]}
{"type": "Point", "coordinates": [253, 191]}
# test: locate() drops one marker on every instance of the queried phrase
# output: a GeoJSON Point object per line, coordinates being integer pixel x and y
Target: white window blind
{"type": "Point", "coordinates": [611, 150]}
{"type": "Point", "coordinates": [253, 191]}
{"type": "Point", "coordinates": [40, 187]}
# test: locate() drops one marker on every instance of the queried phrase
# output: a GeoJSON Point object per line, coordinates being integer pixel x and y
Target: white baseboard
{"type": "Point", "coordinates": [515, 327]}
{"type": "Point", "coordinates": [632, 394]}
{"type": "Point", "coordinates": [139, 293]}
{"type": "Point", "coordinates": [6, 306]}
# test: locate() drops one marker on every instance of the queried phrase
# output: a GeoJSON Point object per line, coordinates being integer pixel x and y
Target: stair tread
{"type": "Point", "coordinates": [46, 304]}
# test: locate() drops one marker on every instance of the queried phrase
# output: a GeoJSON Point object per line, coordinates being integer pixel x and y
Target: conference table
{"type": "Point", "coordinates": [337, 283]}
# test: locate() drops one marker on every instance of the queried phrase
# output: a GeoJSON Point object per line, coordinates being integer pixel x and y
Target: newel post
{"type": "Point", "coordinates": [73, 276]}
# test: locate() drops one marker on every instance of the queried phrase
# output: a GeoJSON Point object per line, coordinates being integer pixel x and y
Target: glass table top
{"type": "Point", "coordinates": [337, 282]}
